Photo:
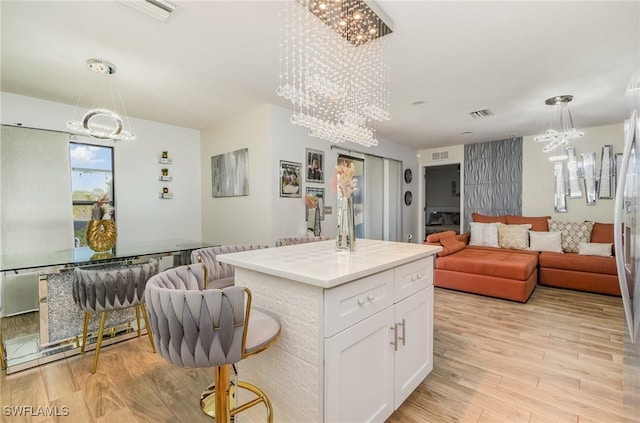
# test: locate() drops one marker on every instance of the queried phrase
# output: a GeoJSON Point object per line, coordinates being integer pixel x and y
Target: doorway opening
{"type": "Point", "coordinates": [442, 198]}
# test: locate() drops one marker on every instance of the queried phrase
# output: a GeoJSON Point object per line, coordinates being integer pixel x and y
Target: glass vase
{"type": "Point", "coordinates": [316, 224]}
{"type": "Point", "coordinates": [346, 240]}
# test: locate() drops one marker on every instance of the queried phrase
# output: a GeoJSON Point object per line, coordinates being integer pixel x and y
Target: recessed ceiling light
{"type": "Point", "coordinates": [418, 103]}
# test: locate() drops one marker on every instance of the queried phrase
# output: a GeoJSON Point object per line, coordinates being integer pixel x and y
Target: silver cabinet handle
{"type": "Point", "coordinates": [370, 297]}
{"type": "Point", "coordinates": [394, 328]}
{"type": "Point", "coordinates": [361, 301]}
{"type": "Point", "coordinates": [402, 338]}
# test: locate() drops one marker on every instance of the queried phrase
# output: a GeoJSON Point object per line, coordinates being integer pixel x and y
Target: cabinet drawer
{"type": "Point", "coordinates": [412, 277]}
{"type": "Point", "coordinates": [347, 304]}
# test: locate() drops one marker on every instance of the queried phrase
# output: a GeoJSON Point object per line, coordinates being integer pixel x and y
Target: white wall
{"type": "Point", "coordinates": [246, 219]}
{"type": "Point", "coordinates": [141, 215]}
{"type": "Point", "coordinates": [538, 181]}
{"type": "Point", "coordinates": [537, 175]}
{"type": "Point", "coordinates": [35, 198]}
{"type": "Point", "coordinates": [289, 143]}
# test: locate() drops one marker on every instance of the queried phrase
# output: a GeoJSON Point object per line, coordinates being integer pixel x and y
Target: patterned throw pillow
{"type": "Point", "coordinates": [513, 236]}
{"type": "Point", "coordinates": [573, 233]}
{"type": "Point", "coordinates": [484, 234]}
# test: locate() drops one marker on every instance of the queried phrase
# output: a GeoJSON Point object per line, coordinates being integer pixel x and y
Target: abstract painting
{"type": "Point", "coordinates": [230, 174]}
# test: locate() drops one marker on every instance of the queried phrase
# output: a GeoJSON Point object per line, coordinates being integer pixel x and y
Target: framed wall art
{"type": "Point", "coordinates": [290, 179]}
{"type": "Point", "coordinates": [319, 194]}
{"type": "Point", "coordinates": [315, 166]}
{"type": "Point", "coordinates": [230, 174]}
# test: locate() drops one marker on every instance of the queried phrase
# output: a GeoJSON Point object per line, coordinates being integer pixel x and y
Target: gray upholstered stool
{"type": "Point", "coordinates": [282, 242]}
{"type": "Point", "coordinates": [220, 274]}
{"type": "Point", "coordinates": [101, 291]}
{"type": "Point", "coordinates": [209, 328]}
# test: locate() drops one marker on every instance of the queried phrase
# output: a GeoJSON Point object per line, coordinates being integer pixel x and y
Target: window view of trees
{"type": "Point", "coordinates": [91, 180]}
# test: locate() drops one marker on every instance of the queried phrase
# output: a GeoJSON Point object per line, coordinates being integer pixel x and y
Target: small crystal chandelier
{"type": "Point", "coordinates": [559, 128]}
{"type": "Point", "coordinates": [333, 68]}
{"type": "Point", "coordinates": [102, 122]}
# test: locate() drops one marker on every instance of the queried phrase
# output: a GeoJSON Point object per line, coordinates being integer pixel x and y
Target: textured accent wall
{"type": "Point", "coordinates": [493, 178]}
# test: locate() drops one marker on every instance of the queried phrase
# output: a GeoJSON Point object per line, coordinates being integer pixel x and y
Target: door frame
{"type": "Point", "coordinates": [422, 189]}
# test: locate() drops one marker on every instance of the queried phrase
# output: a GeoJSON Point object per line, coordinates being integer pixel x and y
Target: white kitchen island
{"type": "Point", "coordinates": [357, 328]}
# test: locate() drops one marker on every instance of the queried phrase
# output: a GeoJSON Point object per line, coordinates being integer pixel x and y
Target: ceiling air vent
{"type": "Point", "coordinates": [440, 155]}
{"type": "Point", "coordinates": [162, 10]}
{"type": "Point", "coordinates": [480, 113]}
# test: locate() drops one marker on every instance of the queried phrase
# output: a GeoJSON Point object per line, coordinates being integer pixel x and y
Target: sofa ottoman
{"type": "Point", "coordinates": [500, 273]}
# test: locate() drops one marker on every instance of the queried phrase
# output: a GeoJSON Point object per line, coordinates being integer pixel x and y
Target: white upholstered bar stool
{"type": "Point", "coordinates": [196, 327]}
{"type": "Point", "coordinates": [102, 291]}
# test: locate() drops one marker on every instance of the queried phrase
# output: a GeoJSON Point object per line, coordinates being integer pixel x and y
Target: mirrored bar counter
{"type": "Point", "coordinates": [39, 320]}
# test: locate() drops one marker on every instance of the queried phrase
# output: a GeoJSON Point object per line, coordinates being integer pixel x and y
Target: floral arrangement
{"type": "Point", "coordinates": [346, 182]}
{"type": "Point", "coordinates": [102, 210]}
{"type": "Point", "coordinates": [311, 201]}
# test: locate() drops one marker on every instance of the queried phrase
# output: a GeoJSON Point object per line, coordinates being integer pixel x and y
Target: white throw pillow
{"type": "Point", "coordinates": [514, 236]}
{"type": "Point", "coordinates": [595, 249]}
{"type": "Point", "coordinates": [545, 241]}
{"type": "Point", "coordinates": [484, 234]}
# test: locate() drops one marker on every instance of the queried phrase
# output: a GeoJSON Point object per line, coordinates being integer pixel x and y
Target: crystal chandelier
{"type": "Point", "coordinates": [333, 69]}
{"type": "Point", "coordinates": [559, 128]}
{"type": "Point", "coordinates": [102, 121]}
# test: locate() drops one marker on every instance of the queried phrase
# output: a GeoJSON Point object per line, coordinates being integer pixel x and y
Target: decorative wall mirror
{"type": "Point", "coordinates": [607, 173]}
{"type": "Point", "coordinates": [574, 172]}
{"type": "Point", "coordinates": [560, 200]}
{"type": "Point", "coordinates": [589, 165]}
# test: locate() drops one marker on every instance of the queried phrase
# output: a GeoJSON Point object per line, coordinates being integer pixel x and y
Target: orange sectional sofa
{"type": "Point", "coordinates": [583, 273]}
{"type": "Point", "coordinates": [514, 274]}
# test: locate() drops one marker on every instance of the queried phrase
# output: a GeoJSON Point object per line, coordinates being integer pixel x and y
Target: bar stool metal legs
{"type": "Point", "coordinates": [140, 308]}
{"type": "Point", "coordinates": [217, 402]}
{"type": "Point", "coordinates": [3, 358]}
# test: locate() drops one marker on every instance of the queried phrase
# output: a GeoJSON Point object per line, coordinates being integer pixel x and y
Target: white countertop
{"type": "Point", "coordinates": [318, 264]}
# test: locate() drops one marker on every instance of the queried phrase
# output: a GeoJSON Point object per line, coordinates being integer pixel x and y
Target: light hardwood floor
{"type": "Point", "coordinates": [561, 357]}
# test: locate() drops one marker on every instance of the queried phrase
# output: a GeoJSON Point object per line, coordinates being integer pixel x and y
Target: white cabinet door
{"type": "Point", "coordinates": [359, 371]}
{"type": "Point", "coordinates": [414, 357]}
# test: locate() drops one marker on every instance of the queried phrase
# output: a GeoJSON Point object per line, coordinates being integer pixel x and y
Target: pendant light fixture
{"type": "Point", "coordinates": [102, 121]}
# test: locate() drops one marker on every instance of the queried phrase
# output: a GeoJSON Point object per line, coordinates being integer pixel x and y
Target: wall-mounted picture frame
{"type": "Point", "coordinates": [408, 176]}
{"type": "Point", "coordinates": [230, 174]}
{"type": "Point", "coordinates": [290, 179]}
{"type": "Point", "coordinates": [455, 189]}
{"type": "Point", "coordinates": [408, 198]}
{"type": "Point", "coordinates": [315, 166]}
{"type": "Point", "coordinates": [319, 193]}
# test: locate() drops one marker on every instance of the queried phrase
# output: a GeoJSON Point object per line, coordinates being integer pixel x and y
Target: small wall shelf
{"type": "Point", "coordinates": [164, 176]}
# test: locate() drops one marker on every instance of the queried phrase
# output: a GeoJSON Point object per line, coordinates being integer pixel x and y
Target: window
{"type": "Point", "coordinates": [91, 180]}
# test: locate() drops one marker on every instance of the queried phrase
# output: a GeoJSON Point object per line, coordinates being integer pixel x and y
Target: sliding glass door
{"type": "Point", "coordinates": [378, 201]}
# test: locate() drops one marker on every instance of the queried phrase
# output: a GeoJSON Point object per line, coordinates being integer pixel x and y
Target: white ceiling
{"type": "Point", "coordinates": [216, 59]}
